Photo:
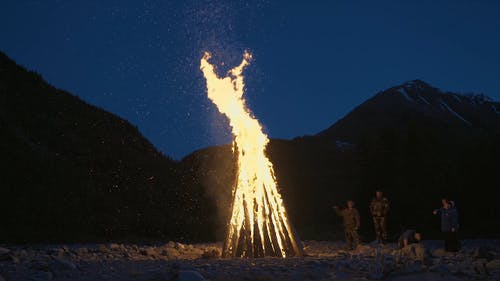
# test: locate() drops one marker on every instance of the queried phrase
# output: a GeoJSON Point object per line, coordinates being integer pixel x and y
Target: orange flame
{"type": "Point", "coordinates": [259, 225]}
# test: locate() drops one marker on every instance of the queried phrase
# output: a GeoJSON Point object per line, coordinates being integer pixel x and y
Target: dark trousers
{"type": "Point", "coordinates": [380, 228]}
{"type": "Point", "coordinates": [351, 237]}
{"type": "Point", "coordinates": [451, 243]}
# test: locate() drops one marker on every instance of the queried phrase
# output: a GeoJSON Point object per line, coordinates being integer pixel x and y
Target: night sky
{"type": "Point", "coordinates": [314, 61]}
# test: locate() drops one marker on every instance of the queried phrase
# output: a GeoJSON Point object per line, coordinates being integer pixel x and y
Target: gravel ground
{"type": "Point", "coordinates": [325, 260]}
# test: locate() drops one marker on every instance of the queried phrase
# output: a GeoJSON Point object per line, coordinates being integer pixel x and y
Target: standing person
{"type": "Point", "coordinates": [350, 216]}
{"type": "Point", "coordinates": [449, 225]}
{"type": "Point", "coordinates": [379, 207]}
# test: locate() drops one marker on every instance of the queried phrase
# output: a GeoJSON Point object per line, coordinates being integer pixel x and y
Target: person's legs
{"type": "Point", "coordinates": [375, 227]}
{"type": "Point", "coordinates": [383, 228]}
{"type": "Point", "coordinates": [355, 238]}
{"type": "Point", "coordinates": [348, 238]}
{"type": "Point", "coordinates": [447, 240]}
{"type": "Point", "coordinates": [453, 242]}
{"type": "Point", "coordinates": [378, 228]}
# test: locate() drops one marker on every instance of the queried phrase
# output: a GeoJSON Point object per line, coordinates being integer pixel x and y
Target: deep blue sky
{"type": "Point", "coordinates": [314, 61]}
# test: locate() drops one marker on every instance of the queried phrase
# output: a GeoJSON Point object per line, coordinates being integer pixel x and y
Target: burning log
{"type": "Point", "coordinates": [259, 225]}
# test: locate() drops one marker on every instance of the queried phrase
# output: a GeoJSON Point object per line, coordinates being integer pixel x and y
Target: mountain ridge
{"type": "Point", "coordinates": [74, 172]}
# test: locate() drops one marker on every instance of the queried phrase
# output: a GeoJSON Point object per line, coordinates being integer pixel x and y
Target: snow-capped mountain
{"type": "Point", "coordinates": [416, 102]}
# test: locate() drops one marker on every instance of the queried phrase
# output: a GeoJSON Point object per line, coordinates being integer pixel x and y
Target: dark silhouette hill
{"type": "Point", "coordinates": [71, 171]}
{"type": "Point", "coordinates": [415, 142]}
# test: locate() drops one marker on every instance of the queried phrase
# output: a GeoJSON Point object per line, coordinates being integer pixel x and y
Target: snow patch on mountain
{"type": "Point", "coordinates": [423, 99]}
{"type": "Point", "coordinates": [454, 113]}
{"type": "Point", "coordinates": [403, 92]}
{"type": "Point", "coordinates": [495, 109]}
{"type": "Point", "coordinates": [479, 98]}
{"type": "Point", "coordinates": [457, 98]}
{"type": "Point", "coordinates": [343, 145]}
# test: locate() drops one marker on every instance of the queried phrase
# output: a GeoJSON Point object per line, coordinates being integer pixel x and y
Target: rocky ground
{"type": "Point", "coordinates": [478, 260]}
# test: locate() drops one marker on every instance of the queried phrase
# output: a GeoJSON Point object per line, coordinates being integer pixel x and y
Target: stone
{"type": "Point", "coordinates": [172, 253]}
{"type": "Point", "coordinates": [179, 246]}
{"type": "Point", "coordinates": [61, 252]}
{"type": "Point", "coordinates": [440, 268]}
{"type": "Point", "coordinates": [422, 276]}
{"type": "Point", "coordinates": [439, 253]}
{"type": "Point", "coordinates": [41, 276]}
{"type": "Point", "coordinates": [196, 251]}
{"type": "Point", "coordinates": [414, 252]}
{"type": "Point", "coordinates": [115, 247]}
{"type": "Point", "coordinates": [62, 264]}
{"type": "Point", "coordinates": [22, 254]}
{"type": "Point", "coordinates": [364, 250]}
{"type": "Point", "coordinates": [148, 251]}
{"type": "Point", "coordinates": [4, 254]}
{"type": "Point", "coordinates": [102, 248]}
{"type": "Point", "coordinates": [479, 267]}
{"type": "Point", "coordinates": [493, 266]}
{"type": "Point", "coordinates": [414, 267]}
{"type": "Point", "coordinates": [211, 253]}
{"type": "Point", "coordinates": [82, 251]}
{"type": "Point", "coordinates": [189, 275]}
{"type": "Point", "coordinates": [40, 263]}
{"type": "Point", "coordinates": [483, 252]}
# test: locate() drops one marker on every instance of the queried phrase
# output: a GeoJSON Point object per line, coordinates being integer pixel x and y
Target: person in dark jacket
{"type": "Point", "coordinates": [379, 207]}
{"type": "Point", "coordinates": [449, 225]}
{"type": "Point", "coordinates": [350, 216]}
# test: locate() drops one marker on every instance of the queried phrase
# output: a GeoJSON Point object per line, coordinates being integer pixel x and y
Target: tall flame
{"type": "Point", "coordinates": [259, 225]}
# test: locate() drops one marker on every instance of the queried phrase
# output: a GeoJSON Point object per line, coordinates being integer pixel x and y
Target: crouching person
{"type": "Point", "coordinates": [409, 243]}
{"type": "Point", "coordinates": [350, 217]}
{"type": "Point", "coordinates": [409, 237]}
